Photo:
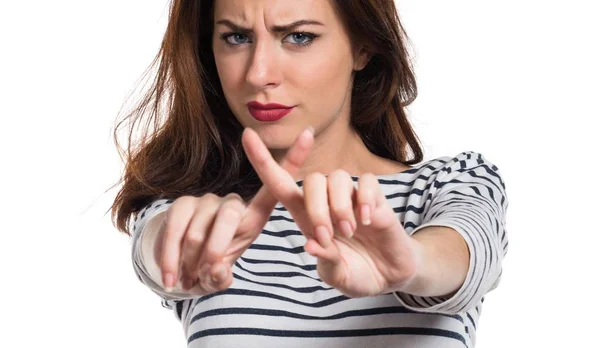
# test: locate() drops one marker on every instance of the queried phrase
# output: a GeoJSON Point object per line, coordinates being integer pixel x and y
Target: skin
{"type": "Point", "coordinates": [360, 245]}
{"type": "Point", "coordinates": [273, 67]}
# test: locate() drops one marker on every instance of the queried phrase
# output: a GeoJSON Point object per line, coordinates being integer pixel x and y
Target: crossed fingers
{"type": "Point", "coordinates": [326, 206]}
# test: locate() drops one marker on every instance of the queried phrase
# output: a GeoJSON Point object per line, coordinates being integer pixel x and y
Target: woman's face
{"type": "Point", "coordinates": [308, 66]}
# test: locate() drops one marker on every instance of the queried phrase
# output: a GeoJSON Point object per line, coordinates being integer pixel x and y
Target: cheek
{"type": "Point", "coordinates": [229, 71]}
{"type": "Point", "coordinates": [323, 81]}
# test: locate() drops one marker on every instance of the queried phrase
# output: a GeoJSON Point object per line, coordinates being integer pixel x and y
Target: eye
{"type": "Point", "coordinates": [297, 38]}
{"type": "Point", "coordinates": [238, 38]}
{"type": "Point", "coordinates": [302, 38]}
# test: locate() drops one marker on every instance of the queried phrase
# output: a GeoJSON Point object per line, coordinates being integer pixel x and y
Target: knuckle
{"type": "Point", "coordinates": [318, 217]}
{"type": "Point", "coordinates": [340, 209]}
{"type": "Point", "coordinates": [230, 212]}
{"type": "Point", "coordinates": [184, 198]}
{"type": "Point", "coordinates": [238, 205]}
{"type": "Point", "coordinates": [210, 195]}
{"type": "Point", "coordinates": [194, 239]}
{"type": "Point", "coordinates": [183, 201]}
{"type": "Point", "coordinates": [234, 196]}
{"type": "Point", "coordinates": [338, 174]}
{"type": "Point", "coordinates": [209, 198]}
{"type": "Point", "coordinates": [173, 220]}
{"type": "Point", "coordinates": [315, 177]}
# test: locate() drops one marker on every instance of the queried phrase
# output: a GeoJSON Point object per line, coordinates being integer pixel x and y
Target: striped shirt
{"type": "Point", "coordinates": [277, 299]}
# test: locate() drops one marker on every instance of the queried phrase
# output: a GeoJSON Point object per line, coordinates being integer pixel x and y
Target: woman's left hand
{"type": "Point", "coordinates": [362, 248]}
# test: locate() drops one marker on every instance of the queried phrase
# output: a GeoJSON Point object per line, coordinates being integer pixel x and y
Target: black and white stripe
{"type": "Point", "coordinates": [278, 300]}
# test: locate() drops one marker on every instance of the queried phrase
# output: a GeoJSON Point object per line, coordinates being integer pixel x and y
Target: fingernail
{"type": "Point", "coordinates": [346, 228]}
{"type": "Point", "coordinates": [322, 235]}
{"type": "Point", "coordinates": [311, 130]}
{"type": "Point", "coordinates": [169, 282]}
{"type": "Point", "coordinates": [365, 213]}
{"type": "Point", "coordinates": [220, 273]}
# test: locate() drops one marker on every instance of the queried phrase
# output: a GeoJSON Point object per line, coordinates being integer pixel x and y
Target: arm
{"type": "Point", "coordinates": [444, 262]}
{"type": "Point", "coordinates": [466, 199]}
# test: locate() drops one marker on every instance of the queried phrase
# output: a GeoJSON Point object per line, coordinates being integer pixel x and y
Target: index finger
{"type": "Point", "coordinates": [262, 205]}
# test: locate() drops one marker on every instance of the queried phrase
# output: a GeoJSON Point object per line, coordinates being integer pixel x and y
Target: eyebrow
{"type": "Point", "coordinates": [275, 28]}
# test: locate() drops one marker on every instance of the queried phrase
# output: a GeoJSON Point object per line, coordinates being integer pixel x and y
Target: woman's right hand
{"type": "Point", "coordinates": [202, 237]}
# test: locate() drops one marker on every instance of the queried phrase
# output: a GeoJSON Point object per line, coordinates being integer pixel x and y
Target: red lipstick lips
{"type": "Point", "coordinates": [268, 112]}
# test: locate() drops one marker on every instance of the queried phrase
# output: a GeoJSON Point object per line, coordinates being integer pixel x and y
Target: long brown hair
{"type": "Point", "coordinates": [195, 144]}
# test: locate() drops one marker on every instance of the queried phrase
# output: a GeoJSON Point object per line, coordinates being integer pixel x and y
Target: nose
{"type": "Point", "coordinates": [263, 70]}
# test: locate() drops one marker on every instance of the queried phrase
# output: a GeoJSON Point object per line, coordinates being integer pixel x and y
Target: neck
{"type": "Point", "coordinates": [338, 146]}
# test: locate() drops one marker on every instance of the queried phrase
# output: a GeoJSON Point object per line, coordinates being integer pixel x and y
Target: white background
{"type": "Point", "coordinates": [515, 80]}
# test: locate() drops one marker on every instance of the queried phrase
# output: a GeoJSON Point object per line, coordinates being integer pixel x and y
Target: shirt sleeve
{"type": "Point", "coordinates": [146, 226]}
{"type": "Point", "coordinates": [468, 195]}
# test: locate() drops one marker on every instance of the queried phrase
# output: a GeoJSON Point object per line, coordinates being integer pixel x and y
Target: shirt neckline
{"type": "Point", "coordinates": [411, 170]}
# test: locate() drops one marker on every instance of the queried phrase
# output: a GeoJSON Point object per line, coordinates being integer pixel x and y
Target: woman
{"type": "Point", "coordinates": [276, 205]}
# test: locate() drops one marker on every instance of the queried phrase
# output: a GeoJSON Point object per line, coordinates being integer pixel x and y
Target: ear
{"type": "Point", "coordinates": [361, 59]}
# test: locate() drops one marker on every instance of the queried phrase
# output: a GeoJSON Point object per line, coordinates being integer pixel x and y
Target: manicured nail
{"type": "Point", "coordinates": [365, 213]}
{"type": "Point", "coordinates": [169, 282]}
{"type": "Point", "coordinates": [322, 235]}
{"type": "Point", "coordinates": [346, 228]}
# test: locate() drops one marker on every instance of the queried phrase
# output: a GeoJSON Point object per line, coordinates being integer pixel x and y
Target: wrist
{"type": "Point", "coordinates": [442, 261]}
{"type": "Point", "coordinates": [415, 283]}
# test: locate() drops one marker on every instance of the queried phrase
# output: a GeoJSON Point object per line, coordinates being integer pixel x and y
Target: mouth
{"type": "Point", "coordinates": [269, 115]}
{"type": "Point", "coordinates": [268, 112]}
{"type": "Point", "coordinates": [258, 105]}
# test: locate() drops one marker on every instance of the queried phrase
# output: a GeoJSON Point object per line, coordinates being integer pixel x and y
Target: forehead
{"type": "Point", "coordinates": [273, 12]}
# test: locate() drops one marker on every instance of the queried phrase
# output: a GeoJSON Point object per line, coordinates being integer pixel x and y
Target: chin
{"type": "Point", "coordinates": [275, 136]}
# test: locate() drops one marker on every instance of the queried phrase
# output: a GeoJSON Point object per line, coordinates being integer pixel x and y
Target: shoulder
{"type": "Point", "coordinates": [464, 160]}
{"type": "Point", "coordinates": [468, 171]}
{"type": "Point", "coordinates": [460, 163]}
{"type": "Point", "coordinates": [464, 167]}
{"type": "Point", "coordinates": [466, 175]}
